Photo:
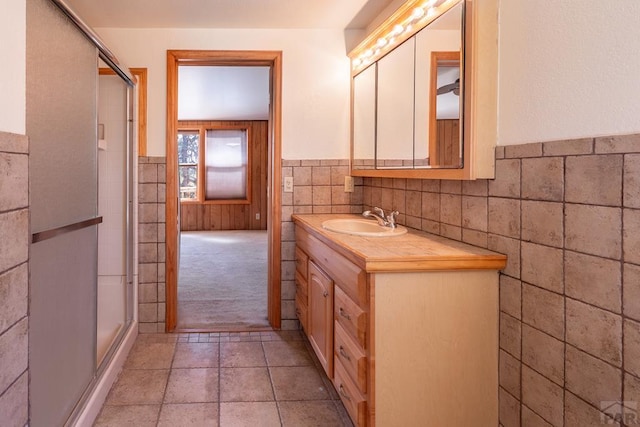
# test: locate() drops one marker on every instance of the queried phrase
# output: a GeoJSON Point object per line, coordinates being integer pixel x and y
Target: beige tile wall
{"type": "Point", "coordinates": [14, 276]}
{"type": "Point", "coordinates": [318, 187]}
{"type": "Point", "coordinates": [567, 214]}
{"type": "Point", "coordinates": [151, 244]}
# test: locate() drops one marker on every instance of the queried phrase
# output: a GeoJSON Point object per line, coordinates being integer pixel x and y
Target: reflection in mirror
{"type": "Point", "coordinates": [364, 119]}
{"type": "Point", "coordinates": [407, 124]}
{"type": "Point", "coordinates": [439, 92]}
{"type": "Point", "coordinates": [394, 143]}
{"type": "Point", "coordinates": [444, 117]}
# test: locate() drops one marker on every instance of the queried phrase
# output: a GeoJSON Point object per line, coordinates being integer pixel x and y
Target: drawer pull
{"type": "Point", "coordinates": [344, 353]}
{"type": "Point", "coordinates": [344, 314]}
{"type": "Point", "coordinates": [343, 393]}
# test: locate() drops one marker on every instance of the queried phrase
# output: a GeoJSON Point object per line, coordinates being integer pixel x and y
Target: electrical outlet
{"type": "Point", "coordinates": [258, 216]}
{"type": "Point", "coordinates": [288, 184]}
{"type": "Point", "coordinates": [348, 184]}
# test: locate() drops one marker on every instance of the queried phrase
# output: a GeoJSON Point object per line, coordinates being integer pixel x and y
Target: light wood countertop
{"type": "Point", "coordinates": [414, 251]}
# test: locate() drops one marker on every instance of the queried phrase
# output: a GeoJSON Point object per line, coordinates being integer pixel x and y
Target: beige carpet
{"type": "Point", "coordinates": [222, 283]}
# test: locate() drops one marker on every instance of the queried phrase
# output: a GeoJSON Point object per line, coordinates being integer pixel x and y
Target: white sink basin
{"type": "Point", "coordinates": [362, 227]}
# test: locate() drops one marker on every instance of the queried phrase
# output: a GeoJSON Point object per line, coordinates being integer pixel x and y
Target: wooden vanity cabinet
{"type": "Point", "coordinates": [302, 289]}
{"type": "Point", "coordinates": [404, 347]}
{"type": "Point", "coordinates": [320, 316]}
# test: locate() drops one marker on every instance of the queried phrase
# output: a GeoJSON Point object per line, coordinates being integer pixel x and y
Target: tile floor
{"type": "Point", "coordinates": [222, 379]}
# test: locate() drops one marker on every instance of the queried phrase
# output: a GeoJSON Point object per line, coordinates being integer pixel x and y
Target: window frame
{"type": "Point", "coordinates": [200, 192]}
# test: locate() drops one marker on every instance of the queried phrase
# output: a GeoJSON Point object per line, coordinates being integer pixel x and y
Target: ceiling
{"type": "Point", "coordinates": [284, 14]}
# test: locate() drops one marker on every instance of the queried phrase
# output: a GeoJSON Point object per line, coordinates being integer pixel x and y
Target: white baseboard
{"type": "Point", "coordinates": [94, 403]}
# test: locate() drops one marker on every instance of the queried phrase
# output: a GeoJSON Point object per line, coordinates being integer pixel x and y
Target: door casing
{"type": "Point", "coordinates": [272, 59]}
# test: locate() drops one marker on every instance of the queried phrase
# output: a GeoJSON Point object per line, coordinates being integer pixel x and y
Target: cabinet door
{"type": "Point", "coordinates": [320, 316]}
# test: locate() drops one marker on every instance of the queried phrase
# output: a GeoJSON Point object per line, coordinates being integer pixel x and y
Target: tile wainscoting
{"type": "Point", "coordinates": [318, 187]}
{"type": "Point", "coordinates": [14, 276]}
{"type": "Point", "coordinates": [151, 244]}
{"type": "Point", "coordinates": [567, 214]}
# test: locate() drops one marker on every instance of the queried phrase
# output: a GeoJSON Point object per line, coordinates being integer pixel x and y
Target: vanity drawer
{"type": "Point", "coordinates": [301, 262]}
{"type": "Point", "coordinates": [302, 310]}
{"type": "Point", "coordinates": [351, 356]}
{"type": "Point", "coordinates": [350, 316]}
{"type": "Point", "coordinates": [348, 275]}
{"type": "Point", "coordinates": [302, 287]}
{"type": "Point", "coordinates": [354, 402]}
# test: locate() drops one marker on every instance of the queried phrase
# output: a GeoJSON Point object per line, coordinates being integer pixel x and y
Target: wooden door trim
{"type": "Point", "coordinates": [272, 59]}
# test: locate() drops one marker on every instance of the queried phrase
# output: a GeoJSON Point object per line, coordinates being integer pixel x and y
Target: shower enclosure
{"type": "Point", "coordinates": [81, 180]}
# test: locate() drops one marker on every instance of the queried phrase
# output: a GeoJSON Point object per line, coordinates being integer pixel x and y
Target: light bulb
{"type": "Point", "coordinates": [397, 30]}
{"type": "Point", "coordinates": [417, 13]}
{"type": "Point", "coordinates": [381, 42]}
{"type": "Point", "coordinates": [368, 53]}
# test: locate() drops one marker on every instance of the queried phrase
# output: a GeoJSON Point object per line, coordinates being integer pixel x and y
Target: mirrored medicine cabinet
{"type": "Point", "coordinates": [414, 93]}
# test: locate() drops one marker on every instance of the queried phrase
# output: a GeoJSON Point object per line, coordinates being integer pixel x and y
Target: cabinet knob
{"type": "Point", "coordinates": [325, 294]}
{"type": "Point", "coordinates": [343, 393]}
{"type": "Point", "coordinates": [344, 314]}
{"type": "Point", "coordinates": [344, 353]}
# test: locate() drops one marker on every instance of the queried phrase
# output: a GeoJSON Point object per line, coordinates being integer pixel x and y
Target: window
{"type": "Point", "coordinates": [216, 170]}
{"type": "Point", "coordinates": [226, 164]}
{"type": "Point", "coordinates": [188, 157]}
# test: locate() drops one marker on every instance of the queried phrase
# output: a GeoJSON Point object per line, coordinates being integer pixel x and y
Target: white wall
{"type": "Point", "coordinates": [13, 26]}
{"type": "Point", "coordinates": [568, 69]}
{"type": "Point", "coordinates": [315, 113]}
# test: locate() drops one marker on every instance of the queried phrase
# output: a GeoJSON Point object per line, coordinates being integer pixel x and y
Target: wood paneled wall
{"type": "Point", "coordinates": [196, 216]}
{"type": "Point", "coordinates": [447, 151]}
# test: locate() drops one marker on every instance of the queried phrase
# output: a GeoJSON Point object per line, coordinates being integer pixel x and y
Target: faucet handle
{"type": "Point", "coordinates": [391, 218]}
{"type": "Point", "coordinates": [378, 211]}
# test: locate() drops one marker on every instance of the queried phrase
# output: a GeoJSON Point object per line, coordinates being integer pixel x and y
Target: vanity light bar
{"type": "Point", "coordinates": [410, 18]}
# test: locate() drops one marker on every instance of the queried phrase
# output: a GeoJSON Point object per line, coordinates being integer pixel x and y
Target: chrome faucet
{"type": "Point", "coordinates": [383, 221]}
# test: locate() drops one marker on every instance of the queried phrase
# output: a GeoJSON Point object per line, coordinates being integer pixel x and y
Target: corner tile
{"type": "Point", "coordinates": [14, 181]}
{"type": "Point", "coordinates": [14, 288]}
{"type": "Point", "coordinates": [507, 181]}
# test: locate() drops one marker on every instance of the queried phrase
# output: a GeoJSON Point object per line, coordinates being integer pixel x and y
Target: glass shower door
{"type": "Point", "coordinates": [113, 192]}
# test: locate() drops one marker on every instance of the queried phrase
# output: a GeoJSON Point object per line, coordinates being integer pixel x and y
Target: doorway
{"type": "Point", "coordinates": [272, 60]}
